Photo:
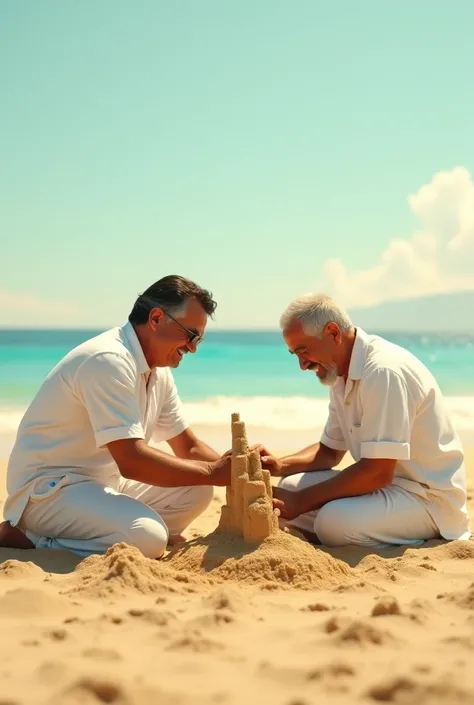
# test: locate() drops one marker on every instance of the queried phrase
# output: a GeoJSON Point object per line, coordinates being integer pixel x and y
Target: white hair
{"type": "Point", "coordinates": [315, 311]}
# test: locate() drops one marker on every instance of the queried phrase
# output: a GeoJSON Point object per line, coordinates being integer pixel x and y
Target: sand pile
{"type": "Point", "coordinates": [15, 570]}
{"type": "Point", "coordinates": [248, 544]}
{"type": "Point", "coordinates": [281, 560]}
{"type": "Point", "coordinates": [464, 598]}
{"type": "Point", "coordinates": [92, 690]}
{"type": "Point", "coordinates": [411, 691]}
{"type": "Point", "coordinates": [124, 569]}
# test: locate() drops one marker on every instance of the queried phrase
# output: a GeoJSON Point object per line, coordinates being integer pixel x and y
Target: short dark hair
{"type": "Point", "coordinates": [170, 293]}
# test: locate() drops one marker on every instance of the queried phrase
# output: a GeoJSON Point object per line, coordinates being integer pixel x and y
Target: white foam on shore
{"type": "Point", "coordinates": [277, 413]}
{"type": "Point", "coordinates": [296, 413]}
{"type": "Point", "coordinates": [10, 419]}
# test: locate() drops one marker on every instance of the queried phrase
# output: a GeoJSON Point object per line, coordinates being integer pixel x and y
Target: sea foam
{"type": "Point", "coordinates": [278, 413]}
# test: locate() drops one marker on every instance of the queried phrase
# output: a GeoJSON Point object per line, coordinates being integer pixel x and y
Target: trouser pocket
{"type": "Point", "coordinates": [47, 487]}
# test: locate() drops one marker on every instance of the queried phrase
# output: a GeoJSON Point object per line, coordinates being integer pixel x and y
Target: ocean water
{"type": "Point", "coordinates": [247, 371]}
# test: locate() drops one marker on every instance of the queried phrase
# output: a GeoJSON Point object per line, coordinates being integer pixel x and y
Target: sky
{"type": "Point", "coordinates": [263, 148]}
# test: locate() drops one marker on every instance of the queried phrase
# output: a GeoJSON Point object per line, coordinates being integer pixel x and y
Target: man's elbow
{"type": "Point", "coordinates": [128, 472]}
{"type": "Point", "coordinates": [380, 471]}
{"type": "Point", "coordinates": [385, 478]}
{"type": "Point", "coordinates": [127, 456]}
{"type": "Point", "coordinates": [333, 456]}
{"type": "Point", "coordinates": [127, 468]}
{"type": "Point", "coordinates": [385, 473]}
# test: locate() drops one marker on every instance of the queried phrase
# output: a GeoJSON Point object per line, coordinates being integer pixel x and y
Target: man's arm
{"type": "Point", "coordinates": [315, 457]}
{"type": "Point", "coordinates": [106, 384]}
{"type": "Point", "coordinates": [136, 460]}
{"type": "Point", "coordinates": [366, 476]}
{"type": "Point", "coordinates": [187, 445]}
{"type": "Point", "coordinates": [320, 456]}
{"type": "Point", "coordinates": [388, 413]}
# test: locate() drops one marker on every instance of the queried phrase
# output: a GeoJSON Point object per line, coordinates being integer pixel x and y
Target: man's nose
{"type": "Point", "coordinates": [304, 364]}
{"type": "Point", "coordinates": [192, 347]}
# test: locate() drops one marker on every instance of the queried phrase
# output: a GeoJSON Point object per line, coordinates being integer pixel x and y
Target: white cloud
{"type": "Point", "coordinates": [437, 258]}
{"type": "Point", "coordinates": [23, 308]}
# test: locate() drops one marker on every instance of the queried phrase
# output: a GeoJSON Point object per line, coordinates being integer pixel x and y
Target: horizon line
{"type": "Point", "coordinates": [100, 329]}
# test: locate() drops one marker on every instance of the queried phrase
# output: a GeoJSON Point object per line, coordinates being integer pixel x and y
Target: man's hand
{"type": "Point", "coordinates": [219, 471]}
{"type": "Point", "coordinates": [273, 465]}
{"type": "Point", "coordinates": [291, 504]}
{"type": "Point", "coordinates": [269, 462]}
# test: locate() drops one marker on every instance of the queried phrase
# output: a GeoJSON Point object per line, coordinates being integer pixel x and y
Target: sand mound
{"type": "Point", "coordinates": [124, 569]}
{"type": "Point", "coordinates": [459, 550]}
{"type": "Point", "coordinates": [91, 690]}
{"type": "Point", "coordinates": [349, 631]}
{"type": "Point", "coordinates": [281, 560]}
{"type": "Point", "coordinates": [226, 598]}
{"type": "Point", "coordinates": [409, 691]}
{"type": "Point", "coordinates": [386, 605]}
{"type": "Point", "coordinates": [463, 599]}
{"type": "Point", "coordinates": [18, 569]}
{"type": "Point", "coordinates": [415, 561]}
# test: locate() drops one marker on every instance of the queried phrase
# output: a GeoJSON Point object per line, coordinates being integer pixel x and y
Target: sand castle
{"type": "Point", "coordinates": [248, 545]}
{"type": "Point", "coordinates": [248, 511]}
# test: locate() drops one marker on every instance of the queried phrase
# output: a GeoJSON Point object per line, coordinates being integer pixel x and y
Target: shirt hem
{"type": "Point", "coordinates": [385, 450]}
{"type": "Point", "coordinates": [118, 434]}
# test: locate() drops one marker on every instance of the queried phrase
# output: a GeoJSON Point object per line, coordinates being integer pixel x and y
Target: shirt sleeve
{"type": "Point", "coordinates": [171, 420]}
{"type": "Point", "coordinates": [107, 386]}
{"type": "Point", "coordinates": [388, 412]}
{"type": "Point", "coordinates": [333, 436]}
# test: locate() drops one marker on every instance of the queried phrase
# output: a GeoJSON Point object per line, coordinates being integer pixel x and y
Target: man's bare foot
{"type": "Point", "coordinates": [177, 538]}
{"type": "Point", "coordinates": [12, 537]}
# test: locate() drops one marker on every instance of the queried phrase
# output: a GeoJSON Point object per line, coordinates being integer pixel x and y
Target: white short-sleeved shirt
{"type": "Point", "coordinates": [391, 407]}
{"type": "Point", "coordinates": [101, 391]}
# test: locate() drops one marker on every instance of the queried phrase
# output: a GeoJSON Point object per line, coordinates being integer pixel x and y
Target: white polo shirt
{"type": "Point", "coordinates": [392, 407]}
{"type": "Point", "coordinates": [102, 391]}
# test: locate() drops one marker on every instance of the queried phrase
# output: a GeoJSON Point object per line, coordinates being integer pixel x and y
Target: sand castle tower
{"type": "Point", "coordinates": [248, 511]}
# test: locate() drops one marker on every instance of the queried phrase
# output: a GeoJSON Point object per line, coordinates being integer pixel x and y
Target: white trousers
{"type": "Point", "coordinates": [87, 517]}
{"type": "Point", "coordinates": [389, 516]}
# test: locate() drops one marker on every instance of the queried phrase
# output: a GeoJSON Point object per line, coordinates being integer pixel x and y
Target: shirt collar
{"type": "Point", "coordinates": [135, 348]}
{"type": "Point", "coordinates": [359, 354]}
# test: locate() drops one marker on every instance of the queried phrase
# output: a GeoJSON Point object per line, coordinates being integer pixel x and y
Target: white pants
{"type": "Point", "coordinates": [87, 517]}
{"type": "Point", "coordinates": [389, 516]}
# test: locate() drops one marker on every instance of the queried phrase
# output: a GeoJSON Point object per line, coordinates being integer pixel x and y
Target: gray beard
{"type": "Point", "coordinates": [329, 379]}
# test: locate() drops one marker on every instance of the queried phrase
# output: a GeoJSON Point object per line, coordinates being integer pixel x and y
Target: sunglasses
{"type": "Point", "coordinates": [193, 337]}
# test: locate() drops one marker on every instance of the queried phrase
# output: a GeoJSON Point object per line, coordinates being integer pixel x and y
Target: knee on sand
{"type": "Point", "coordinates": [149, 535]}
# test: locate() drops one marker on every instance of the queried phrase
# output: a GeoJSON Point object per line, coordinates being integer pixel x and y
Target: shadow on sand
{"type": "Point", "coordinates": [59, 562]}
{"type": "Point", "coordinates": [215, 550]}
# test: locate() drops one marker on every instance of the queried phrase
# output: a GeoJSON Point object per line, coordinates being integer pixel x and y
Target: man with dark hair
{"type": "Point", "coordinates": [83, 474]}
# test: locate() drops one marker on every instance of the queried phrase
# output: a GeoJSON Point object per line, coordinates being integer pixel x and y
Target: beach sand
{"type": "Point", "coordinates": [396, 627]}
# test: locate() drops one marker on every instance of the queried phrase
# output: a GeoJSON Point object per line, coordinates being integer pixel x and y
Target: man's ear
{"type": "Point", "coordinates": [334, 331]}
{"type": "Point", "coordinates": [155, 317]}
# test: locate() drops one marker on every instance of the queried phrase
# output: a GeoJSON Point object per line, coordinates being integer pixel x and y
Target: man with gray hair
{"type": "Point", "coordinates": [408, 482]}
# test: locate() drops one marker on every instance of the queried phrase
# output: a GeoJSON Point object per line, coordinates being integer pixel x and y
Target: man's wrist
{"type": "Point", "coordinates": [285, 467]}
{"type": "Point", "coordinates": [203, 470]}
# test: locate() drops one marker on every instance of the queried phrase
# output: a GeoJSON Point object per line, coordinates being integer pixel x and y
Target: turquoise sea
{"type": "Point", "coordinates": [251, 368]}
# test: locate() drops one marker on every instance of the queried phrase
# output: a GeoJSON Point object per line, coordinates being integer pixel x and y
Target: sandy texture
{"type": "Point", "coordinates": [281, 624]}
